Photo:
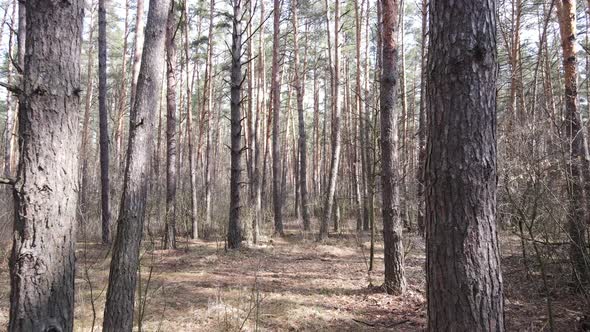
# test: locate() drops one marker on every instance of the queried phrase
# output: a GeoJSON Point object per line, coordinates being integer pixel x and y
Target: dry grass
{"type": "Point", "coordinates": [288, 284]}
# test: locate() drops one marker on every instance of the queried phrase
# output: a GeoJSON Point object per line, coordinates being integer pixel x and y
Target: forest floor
{"type": "Point", "coordinates": [294, 284]}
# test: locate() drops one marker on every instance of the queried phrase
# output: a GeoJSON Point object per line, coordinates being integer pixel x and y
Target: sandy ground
{"type": "Point", "coordinates": [294, 284]}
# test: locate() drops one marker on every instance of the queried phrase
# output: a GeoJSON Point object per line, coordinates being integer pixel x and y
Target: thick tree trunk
{"type": "Point", "coordinates": [395, 281]}
{"type": "Point", "coordinates": [276, 125]}
{"type": "Point", "coordinates": [171, 136]}
{"type": "Point", "coordinates": [234, 231]}
{"type": "Point", "coordinates": [463, 260]}
{"type": "Point", "coordinates": [120, 296]}
{"type": "Point", "coordinates": [336, 132]}
{"type": "Point", "coordinates": [42, 263]}
{"type": "Point", "coordinates": [103, 119]}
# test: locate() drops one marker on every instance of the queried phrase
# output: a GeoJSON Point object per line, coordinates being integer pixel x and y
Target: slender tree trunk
{"type": "Point", "coordinates": [276, 110]}
{"type": "Point", "coordinates": [103, 122]}
{"type": "Point", "coordinates": [171, 134]}
{"type": "Point", "coordinates": [10, 113]}
{"type": "Point", "coordinates": [366, 128]}
{"type": "Point", "coordinates": [137, 53]}
{"type": "Point", "coordinates": [208, 95]}
{"type": "Point", "coordinates": [336, 131]}
{"type": "Point", "coordinates": [360, 169]}
{"type": "Point", "coordinates": [299, 87]}
{"type": "Point", "coordinates": [578, 168]}
{"type": "Point", "coordinates": [260, 105]}
{"type": "Point", "coordinates": [42, 263]}
{"type": "Point", "coordinates": [122, 95]}
{"type": "Point", "coordinates": [120, 298]}
{"type": "Point", "coordinates": [463, 260]}
{"type": "Point", "coordinates": [234, 235]}
{"type": "Point", "coordinates": [22, 33]}
{"type": "Point", "coordinates": [403, 119]}
{"type": "Point", "coordinates": [86, 125]}
{"type": "Point", "coordinates": [422, 125]}
{"type": "Point", "coordinates": [189, 123]}
{"type": "Point", "coordinates": [395, 281]}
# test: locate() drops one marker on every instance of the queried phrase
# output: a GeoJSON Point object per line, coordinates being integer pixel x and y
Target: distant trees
{"type": "Point", "coordinates": [42, 262]}
{"type": "Point", "coordinates": [118, 315]}
{"type": "Point", "coordinates": [463, 260]}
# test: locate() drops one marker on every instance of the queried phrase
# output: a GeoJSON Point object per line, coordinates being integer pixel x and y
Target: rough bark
{"type": "Point", "coordinates": [276, 125]}
{"type": "Point", "coordinates": [234, 231]}
{"type": "Point", "coordinates": [463, 262]}
{"type": "Point", "coordinates": [103, 122]}
{"type": "Point", "coordinates": [120, 296]}
{"type": "Point", "coordinates": [171, 136]}
{"type": "Point", "coordinates": [395, 282]}
{"type": "Point", "coordinates": [42, 263]}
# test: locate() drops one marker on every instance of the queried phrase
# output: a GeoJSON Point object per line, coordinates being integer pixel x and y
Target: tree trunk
{"type": "Point", "coordinates": [10, 113]}
{"type": "Point", "coordinates": [463, 260]}
{"type": "Point", "coordinates": [276, 108]}
{"type": "Point", "coordinates": [336, 134]}
{"type": "Point", "coordinates": [120, 298]}
{"type": "Point", "coordinates": [359, 169]}
{"type": "Point", "coordinates": [42, 263]}
{"type": "Point", "coordinates": [208, 103]}
{"type": "Point", "coordinates": [422, 125]}
{"type": "Point", "coordinates": [86, 125]}
{"type": "Point", "coordinates": [365, 142]}
{"type": "Point", "coordinates": [138, 45]}
{"type": "Point", "coordinates": [299, 88]}
{"type": "Point", "coordinates": [171, 137]}
{"type": "Point", "coordinates": [234, 233]}
{"type": "Point", "coordinates": [260, 105]}
{"type": "Point", "coordinates": [189, 123]}
{"type": "Point", "coordinates": [395, 281]}
{"type": "Point", "coordinates": [103, 122]}
{"type": "Point", "coordinates": [578, 168]}
{"type": "Point", "coordinates": [122, 96]}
